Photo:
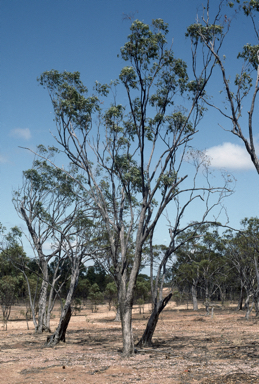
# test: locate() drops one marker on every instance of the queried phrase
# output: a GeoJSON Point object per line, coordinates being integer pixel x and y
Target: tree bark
{"type": "Point", "coordinates": [146, 339]}
{"type": "Point", "coordinates": [247, 301]}
{"type": "Point", "coordinates": [206, 290]}
{"type": "Point", "coordinates": [60, 332]}
{"type": "Point", "coordinates": [126, 292]}
{"type": "Point", "coordinates": [249, 310]}
{"type": "Point", "coordinates": [207, 306]}
{"type": "Point", "coordinates": [41, 327]}
{"type": "Point", "coordinates": [118, 314]}
{"type": "Point", "coordinates": [256, 306]}
{"type": "Point", "coordinates": [240, 301]}
{"type": "Point", "coordinates": [194, 298]}
{"type": "Point", "coordinates": [127, 334]}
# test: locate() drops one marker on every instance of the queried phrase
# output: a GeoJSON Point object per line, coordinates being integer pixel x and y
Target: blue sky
{"type": "Point", "coordinates": [86, 36]}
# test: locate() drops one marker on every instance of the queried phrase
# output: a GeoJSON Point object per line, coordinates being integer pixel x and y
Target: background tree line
{"type": "Point", "coordinates": [209, 268]}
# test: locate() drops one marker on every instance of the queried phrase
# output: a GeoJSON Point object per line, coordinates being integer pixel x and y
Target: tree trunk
{"type": "Point", "coordinates": [146, 339]}
{"type": "Point", "coordinates": [32, 303]}
{"type": "Point", "coordinates": [249, 310]}
{"type": "Point", "coordinates": [240, 301]}
{"type": "Point", "coordinates": [222, 295]}
{"type": "Point", "coordinates": [206, 290]}
{"type": "Point", "coordinates": [52, 298]}
{"type": "Point", "coordinates": [194, 298]}
{"type": "Point", "coordinates": [256, 307]}
{"type": "Point", "coordinates": [126, 292]}
{"type": "Point", "coordinates": [118, 314]}
{"type": "Point", "coordinates": [207, 306]}
{"type": "Point", "coordinates": [60, 332]}
{"type": "Point", "coordinates": [127, 334]}
{"type": "Point", "coordinates": [43, 299]}
{"type": "Point", "coordinates": [247, 302]}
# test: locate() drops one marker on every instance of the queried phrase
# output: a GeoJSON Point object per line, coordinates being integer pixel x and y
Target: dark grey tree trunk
{"type": "Point", "coordinates": [60, 332]}
{"type": "Point", "coordinates": [256, 306]}
{"type": "Point", "coordinates": [146, 339]}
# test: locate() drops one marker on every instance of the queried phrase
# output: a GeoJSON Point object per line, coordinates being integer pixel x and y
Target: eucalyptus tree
{"type": "Point", "coordinates": [241, 258]}
{"type": "Point", "coordinates": [186, 269]}
{"type": "Point", "coordinates": [202, 263]}
{"type": "Point", "coordinates": [212, 265]}
{"type": "Point", "coordinates": [131, 154]}
{"type": "Point", "coordinates": [243, 252]}
{"type": "Point", "coordinates": [11, 282]}
{"type": "Point", "coordinates": [240, 90]}
{"type": "Point", "coordinates": [49, 203]}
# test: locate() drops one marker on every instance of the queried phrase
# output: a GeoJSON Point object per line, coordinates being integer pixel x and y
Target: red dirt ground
{"type": "Point", "coordinates": [189, 347]}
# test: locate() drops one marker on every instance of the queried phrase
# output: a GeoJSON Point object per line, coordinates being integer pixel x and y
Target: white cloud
{"type": "Point", "coordinates": [23, 133]}
{"type": "Point", "coordinates": [230, 156]}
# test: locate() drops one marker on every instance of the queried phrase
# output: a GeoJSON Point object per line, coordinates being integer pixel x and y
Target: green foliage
{"type": "Point", "coordinates": [243, 254]}
{"type": "Point", "coordinates": [146, 51]}
{"type": "Point", "coordinates": [142, 291]}
{"type": "Point", "coordinates": [199, 33]}
{"type": "Point", "coordinates": [178, 122]}
{"type": "Point", "coordinates": [250, 55]}
{"type": "Point", "coordinates": [44, 178]}
{"type": "Point", "coordinates": [111, 293]}
{"type": "Point", "coordinates": [95, 297]}
{"type": "Point", "coordinates": [143, 44]}
{"type": "Point", "coordinates": [244, 82]}
{"type": "Point", "coordinates": [82, 288]}
{"type": "Point", "coordinates": [102, 89]}
{"type": "Point", "coordinates": [8, 295]}
{"type": "Point", "coordinates": [97, 275]}
{"type": "Point", "coordinates": [177, 297]}
{"type": "Point", "coordinates": [196, 86]}
{"type": "Point", "coordinates": [128, 77]}
{"type": "Point", "coordinates": [250, 6]}
{"type": "Point", "coordinates": [129, 172]}
{"type": "Point", "coordinates": [76, 306]}
{"type": "Point", "coordinates": [68, 97]}
{"type": "Point", "coordinates": [201, 261]}
{"type": "Point", "coordinates": [113, 117]}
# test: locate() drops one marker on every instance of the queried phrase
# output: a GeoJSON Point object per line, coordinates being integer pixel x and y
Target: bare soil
{"type": "Point", "coordinates": [189, 347]}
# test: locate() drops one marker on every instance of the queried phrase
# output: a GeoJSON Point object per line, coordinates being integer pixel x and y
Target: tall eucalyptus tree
{"type": "Point", "coordinates": [131, 154]}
